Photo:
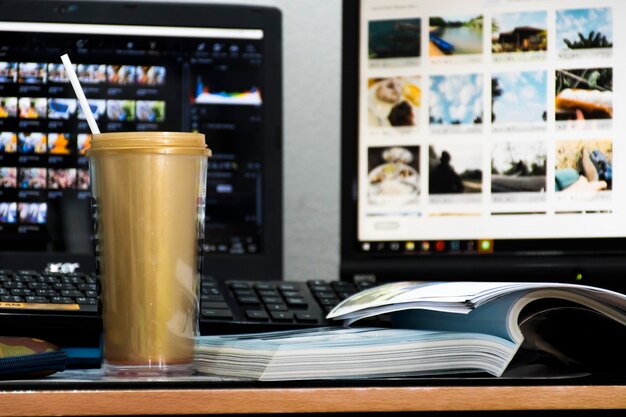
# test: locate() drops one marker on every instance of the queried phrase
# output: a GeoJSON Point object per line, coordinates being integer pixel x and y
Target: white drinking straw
{"type": "Point", "coordinates": [80, 94]}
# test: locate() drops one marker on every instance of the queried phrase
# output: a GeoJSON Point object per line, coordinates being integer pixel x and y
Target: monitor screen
{"type": "Point", "coordinates": [138, 74]}
{"type": "Point", "coordinates": [484, 134]}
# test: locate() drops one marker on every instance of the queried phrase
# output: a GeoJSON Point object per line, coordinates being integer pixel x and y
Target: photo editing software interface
{"type": "Point", "coordinates": [140, 79]}
{"type": "Point", "coordinates": [491, 126]}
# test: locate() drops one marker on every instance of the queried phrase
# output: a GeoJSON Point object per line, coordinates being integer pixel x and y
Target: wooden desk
{"type": "Point", "coordinates": [299, 400]}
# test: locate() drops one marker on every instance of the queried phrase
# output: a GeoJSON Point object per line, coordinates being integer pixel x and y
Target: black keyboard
{"type": "Point", "coordinates": [64, 308]}
{"type": "Point", "coordinates": [60, 308]}
{"type": "Point", "coordinates": [256, 306]}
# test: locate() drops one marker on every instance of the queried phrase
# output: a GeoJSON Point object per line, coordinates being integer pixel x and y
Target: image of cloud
{"type": "Point", "coordinates": [584, 28]}
{"type": "Point", "coordinates": [456, 99]}
{"type": "Point", "coordinates": [519, 97]}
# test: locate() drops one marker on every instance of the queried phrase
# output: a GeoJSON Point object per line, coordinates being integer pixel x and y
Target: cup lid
{"type": "Point", "coordinates": [149, 142]}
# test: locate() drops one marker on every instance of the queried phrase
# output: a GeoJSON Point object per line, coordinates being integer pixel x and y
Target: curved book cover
{"type": "Point", "coordinates": [438, 328]}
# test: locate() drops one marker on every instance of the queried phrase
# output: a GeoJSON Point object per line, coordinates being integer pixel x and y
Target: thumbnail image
{"type": "Point", "coordinates": [32, 107]}
{"type": "Point", "coordinates": [32, 178]}
{"type": "Point", "coordinates": [519, 97]}
{"type": "Point", "coordinates": [398, 38]}
{"type": "Point", "coordinates": [82, 179]}
{"type": "Point", "coordinates": [61, 108]}
{"type": "Point", "coordinates": [455, 35]}
{"type": "Point", "coordinates": [583, 166]}
{"type": "Point", "coordinates": [518, 167]}
{"type": "Point", "coordinates": [394, 101]}
{"type": "Point", "coordinates": [57, 74]}
{"type": "Point", "coordinates": [150, 111]}
{"type": "Point", "coordinates": [519, 32]}
{"type": "Point", "coordinates": [32, 142]}
{"type": "Point", "coordinates": [456, 99]}
{"type": "Point", "coordinates": [59, 143]}
{"type": "Point", "coordinates": [31, 73]}
{"type": "Point", "coordinates": [121, 110]}
{"type": "Point", "coordinates": [8, 107]}
{"type": "Point", "coordinates": [91, 74]}
{"type": "Point", "coordinates": [33, 213]}
{"type": "Point", "coordinates": [121, 74]}
{"type": "Point", "coordinates": [8, 212]}
{"type": "Point", "coordinates": [61, 179]}
{"type": "Point", "coordinates": [583, 94]}
{"type": "Point", "coordinates": [455, 169]}
{"type": "Point", "coordinates": [8, 142]}
{"type": "Point", "coordinates": [97, 107]}
{"type": "Point", "coordinates": [8, 177]}
{"type": "Point", "coordinates": [83, 142]}
{"type": "Point", "coordinates": [584, 29]}
{"type": "Point", "coordinates": [150, 75]}
{"type": "Point", "coordinates": [393, 175]}
{"type": "Point", "coordinates": [8, 72]}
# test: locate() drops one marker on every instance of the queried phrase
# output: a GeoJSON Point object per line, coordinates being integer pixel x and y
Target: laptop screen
{"type": "Point", "coordinates": [483, 139]}
{"type": "Point", "coordinates": [143, 67]}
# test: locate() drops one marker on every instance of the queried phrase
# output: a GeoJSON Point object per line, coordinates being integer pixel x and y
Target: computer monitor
{"type": "Point", "coordinates": [214, 69]}
{"type": "Point", "coordinates": [483, 140]}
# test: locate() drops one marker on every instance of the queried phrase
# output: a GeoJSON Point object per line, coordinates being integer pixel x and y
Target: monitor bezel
{"type": "Point", "coordinates": [269, 263]}
{"type": "Point", "coordinates": [601, 269]}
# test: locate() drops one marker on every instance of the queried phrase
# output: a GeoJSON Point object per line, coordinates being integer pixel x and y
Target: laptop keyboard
{"type": "Point", "coordinates": [64, 308]}
{"type": "Point", "coordinates": [30, 290]}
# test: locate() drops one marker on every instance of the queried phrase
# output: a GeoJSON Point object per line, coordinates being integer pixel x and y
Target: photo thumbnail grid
{"type": "Point", "coordinates": [27, 106]}
{"type": "Point", "coordinates": [496, 103]}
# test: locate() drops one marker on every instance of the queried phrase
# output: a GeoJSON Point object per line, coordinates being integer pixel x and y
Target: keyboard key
{"type": "Point", "coordinates": [282, 315]}
{"type": "Point", "coordinates": [61, 300]}
{"type": "Point", "coordinates": [215, 305]}
{"type": "Point", "coordinates": [47, 293]}
{"type": "Point", "coordinates": [248, 300]}
{"type": "Point", "coordinates": [86, 300]}
{"type": "Point", "coordinates": [268, 293]}
{"type": "Point", "coordinates": [240, 286]}
{"type": "Point", "coordinates": [272, 300]}
{"type": "Point", "coordinates": [216, 314]}
{"type": "Point", "coordinates": [36, 299]}
{"type": "Point", "coordinates": [261, 286]}
{"type": "Point", "coordinates": [288, 287]}
{"type": "Point", "coordinates": [204, 297]}
{"type": "Point", "coordinates": [276, 307]}
{"type": "Point", "coordinates": [317, 282]}
{"type": "Point", "coordinates": [12, 299]}
{"type": "Point", "coordinates": [63, 286]}
{"type": "Point", "coordinates": [21, 291]}
{"type": "Point", "coordinates": [306, 317]}
{"type": "Point", "coordinates": [329, 301]}
{"type": "Point", "coordinates": [244, 293]}
{"type": "Point", "coordinates": [325, 294]}
{"type": "Point", "coordinates": [291, 294]}
{"type": "Point", "coordinates": [296, 301]}
{"type": "Point", "coordinates": [258, 315]}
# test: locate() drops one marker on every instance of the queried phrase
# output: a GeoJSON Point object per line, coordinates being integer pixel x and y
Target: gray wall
{"type": "Point", "coordinates": [311, 68]}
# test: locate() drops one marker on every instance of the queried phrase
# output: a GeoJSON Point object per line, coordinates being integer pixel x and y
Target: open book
{"type": "Point", "coordinates": [438, 328]}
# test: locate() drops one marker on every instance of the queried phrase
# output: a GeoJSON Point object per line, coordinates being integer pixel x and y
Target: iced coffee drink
{"type": "Point", "coordinates": [148, 190]}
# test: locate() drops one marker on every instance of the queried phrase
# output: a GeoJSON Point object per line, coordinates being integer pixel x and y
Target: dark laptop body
{"type": "Point", "coordinates": [216, 69]}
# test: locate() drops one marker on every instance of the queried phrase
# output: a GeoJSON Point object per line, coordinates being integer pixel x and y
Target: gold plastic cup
{"type": "Point", "coordinates": [148, 204]}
